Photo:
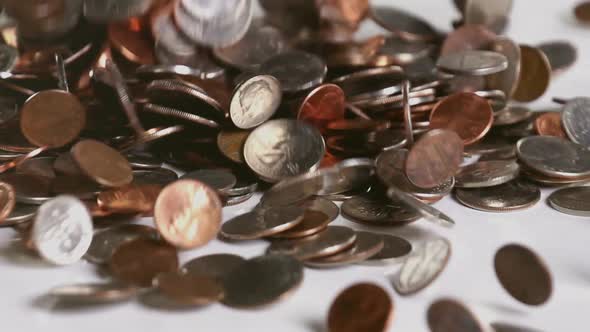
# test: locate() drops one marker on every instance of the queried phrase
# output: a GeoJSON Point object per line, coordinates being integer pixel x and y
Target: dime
{"type": "Point", "coordinates": [428, 212]}
{"type": "Point", "coordinates": [217, 266]}
{"type": "Point", "coordinates": [511, 196]}
{"type": "Point", "coordinates": [549, 124]}
{"type": "Point", "coordinates": [451, 315]}
{"type": "Point", "coordinates": [102, 163]}
{"type": "Point", "coordinates": [493, 15]}
{"type": "Point", "coordinates": [378, 212]}
{"type": "Point", "coordinates": [7, 201]}
{"type": "Point", "coordinates": [217, 179]}
{"type": "Point", "coordinates": [487, 174]}
{"type": "Point", "coordinates": [161, 176]}
{"type": "Point", "coordinates": [554, 156]}
{"type": "Point", "coordinates": [255, 101]}
{"type": "Point", "coordinates": [366, 246]}
{"type": "Point", "coordinates": [296, 70]}
{"type": "Point", "coordinates": [187, 214]}
{"type": "Point", "coordinates": [96, 293]}
{"type": "Point", "coordinates": [523, 274]}
{"type": "Point", "coordinates": [571, 201]}
{"type": "Point", "coordinates": [403, 24]}
{"type": "Point", "coordinates": [62, 230]}
{"type": "Point", "coordinates": [329, 242]}
{"type": "Point", "coordinates": [506, 80]}
{"type": "Point", "coordinates": [188, 289]}
{"type": "Point", "coordinates": [106, 241]}
{"type": "Point", "coordinates": [262, 280]}
{"type": "Point", "coordinates": [130, 199]}
{"type": "Point", "coordinates": [361, 307]}
{"type": "Point", "coordinates": [535, 74]}
{"type": "Point", "coordinates": [323, 105]}
{"type": "Point", "coordinates": [561, 54]}
{"type": "Point", "coordinates": [231, 144]}
{"type": "Point", "coordinates": [575, 118]}
{"type": "Point", "coordinates": [262, 222]}
{"type": "Point", "coordinates": [472, 62]}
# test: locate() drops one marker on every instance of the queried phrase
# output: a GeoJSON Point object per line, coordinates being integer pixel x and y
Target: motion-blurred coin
{"type": "Point", "coordinates": [378, 212]}
{"type": "Point", "coordinates": [102, 163]}
{"type": "Point", "coordinates": [236, 200]}
{"type": "Point", "coordinates": [329, 242]}
{"type": "Point", "coordinates": [217, 179]}
{"type": "Point", "coordinates": [366, 246]}
{"type": "Point", "coordinates": [143, 161]}
{"type": "Point", "coordinates": [506, 80]}
{"type": "Point", "coordinates": [535, 74]}
{"type": "Point", "coordinates": [189, 289]}
{"type": "Point", "coordinates": [428, 212]}
{"type": "Point", "coordinates": [130, 198]}
{"type": "Point", "coordinates": [404, 51]}
{"type": "Point", "coordinates": [365, 85]}
{"type": "Point", "coordinates": [323, 105]}
{"type": "Point", "coordinates": [95, 293]}
{"type": "Point", "coordinates": [575, 118]}
{"type": "Point", "coordinates": [21, 213]}
{"type": "Point", "coordinates": [487, 174]}
{"type": "Point", "coordinates": [7, 201]}
{"type": "Point", "coordinates": [561, 54]}
{"type": "Point", "coordinates": [255, 101]}
{"type": "Point", "coordinates": [549, 124]}
{"type": "Point", "coordinates": [129, 40]}
{"type": "Point", "coordinates": [361, 307]}
{"type": "Point", "coordinates": [451, 315]}
{"type": "Point", "coordinates": [505, 327]}
{"type": "Point", "coordinates": [186, 117]}
{"type": "Point", "coordinates": [511, 196]}
{"type": "Point", "coordinates": [231, 144]}
{"type": "Point", "coordinates": [402, 24]}
{"type": "Point", "coordinates": [262, 280]}
{"type": "Point", "coordinates": [468, 37]}
{"type": "Point", "coordinates": [66, 165]}
{"type": "Point", "coordinates": [262, 222]}
{"type": "Point", "coordinates": [554, 156]}
{"type": "Point", "coordinates": [161, 176]}
{"type": "Point", "coordinates": [582, 12]}
{"type": "Point", "coordinates": [493, 15]}
{"type": "Point", "coordinates": [296, 70]}
{"type": "Point", "coordinates": [217, 266]}
{"type": "Point", "coordinates": [573, 201]}
{"type": "Point", "coordinates": [523, 274]}
{"type": "Point", "coordinates": [106, 241]}
{"type": "Point", "coordinates": [473, 62]}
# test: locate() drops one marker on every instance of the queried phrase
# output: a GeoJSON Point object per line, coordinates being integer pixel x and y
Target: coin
{"type": "Point", "coordinates": [283, 148]}
{"type": "Point", "coordinates": [106, 241]}
{"type": "Point", "coordinates": [8, 58]}
{"type": "Point", "coordinates": [549, 124]}
{"type": "Point", "coordinates": [575, 120]}
{"type": "Point", "coordinates": [506, 80]}
{"type": "Point", "coordinates": [504, 327]}
{"type": "Point", "coordinates": [324, 104]}
{"type": "Point", "coordinates": [487, 174]}
{"type": "Point", "coordinates": [231, 144]}
{"type": "Point", "coordinates": [187, 214]}
{"type": "Point", "coordinates": [29, 189]}
{"type": "Point", "coordinates": [361, 307]}
{"type": "Point", "coordinates": [554, 156]}
{"type": "Point", "coordinates": [217, 266]}
{"type": "Point", "coordinates": [468, 37]}
{"type": "Point", "coordinates": [7, 201]}
{"type": "Point", "coordinates": [62, 230]}
{"type": "Point", "coordinates": [404, 51]}
{"type": "Point", "coordinates": [451, 315]}
{"type": "Point", "coordinates": [332, 240]}
{"type": "Point", "coordinates": [40, 166]}
{"type": "Point", "coordinates": [395, 250]}
{"type": "Point", "coordinates": [78, 186]}
{"type": "Point", "coordinates": [366, 246]}
{"type": "Point", "coordinates": [262, 280]}
{"type": "Point", "coordinates": [129, 40]}
{"type": "Point", "coordinates": [491, 15]}
{"type": "Point", "coordinates": [102, 163]}
{"type": "Point", "coordinates": [428, 212]}
{"type": "Point", "coordinates": [217, 179]}
{"type": "Point", "coordinates": [561, 54]}
{"type": "Point", "coordinates": [473, 62]}
{"type": "Point", "coordinates": [582, 12]}
{"type": "Point", "coordinates": [64, 164]}
{"type": "Point", "coordinates": [403, 24]}
{"type": "Point", "coordinates": [189, 289]}
{"type": "Point", "coordinates": [378, 212]}
{"type": "Point", "coordinates": [262, 222]}
{"type": "Point", "coordinates": [511, 196]}
{"type": "Point", "coordinates": [161, 176]}
{"type": "Point", "coordinates": [21, 213]}
{"type": "Point", "coordinates": [296, 70]}
{"type": "Point", "coordinates": [255, 101]}
{"type": "Point", "coordinates": [313, 222]}
{"type": "Point", "coordinates": [571, 201]}
{"type": "Point", "coordinates": [169, 112]}
{"type": "Point", "coordinates": [523, 274]}
{"type": "Point", "coordinates": [535, 74]}
{"type": "Point", "coordinates": [130, 199]}
{"type": "Point", "coordinates": [95, 293]}
{"type": "Point", "coordinates": [365, 85]}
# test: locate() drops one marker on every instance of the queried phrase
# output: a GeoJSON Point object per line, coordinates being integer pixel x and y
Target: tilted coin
{"type": "Point", "coordinates": [313, 222]}
{"type": "Point", "coordinates": [95, 293]}
{"type": "Point", "coordinates": [189, 289]}
{"type": "Point", "coordinates": [546, 180]}
{"type": "Point", "coordinates": [143, 161]}
{"type": "Point", "coordinates": [244, 186]}
{"type": "Point", "coordinates": [582, 12]}
{"type": "Point", "coordinates": [523, 274]}
{"type": "Point", "coordinates": [428, 212]}
{"type": "Point", "coordinates": [395, 250]}
{"type": "Point", "coordinates": [178, 114]}
{"type": "Point", "coordinates": [262, 280]}
{"type": "Point", "coordinates": [473, 63]}
{"type": "Point", "coordinates": [102, 163]}
{"type": "Point", "coordinates": [506, 80]}
{"type": "Point", "coordinates": [324, 104]}
{"type": "Point", "coordinates": [323, 205]}
{"type": "Point", "coordinates": [575, 118]}
{"type": "Point", "coordinates": [554, 156]}
{"type": "Point", "coordinates": [368, 84]}
{"type": "Point", "coordinates": [7, 201]}
{"type": "Point", "coordinates": [161, 176]}
{"type": "Point", "coordinates": [451, 315]}
{"type": "Point", "coordinates": [328, 242]}
{"type": "Point", "coordinates": [130, 198]}
{"type": "Point", "coordinates": [403, 24]}
{"type": "Point", "coordinates": [235, 200]}
{"type": "Point", "coordinates": [561, 54]}
{"type": "Point", "coordinates": [41, 166]}
{"type": "Point", "coordinates": [217, 179]}
{"type": "Point", "coordinates": [231, 144]}
{"type": "Point", "coordinates": [106, 241]}
{"type": "Point", "coordinates": [255, 101]}
{"type": "Point", "coordinates": [494, 15]}
{"type": "Point", "coordinates": [511, 196]}
{"type": "Point", "coordinates": [361, 307]}
{"type": "Point", "coordinates": [573, 201]}
{"type": "Point", "coordinates": [366, 246]}
{"type": "Point", "coordinates": [487, 174]}
{"type": "Point", "coordinates": [262, 222]}
{"type": "Point", "coordinates": [404, 51]}
{"type": "Point", "coordinates": [549, 124]}
{"type": "Point", "coordinates": [62, 230]}
{"type": "Point", "coordinates": [216, 266]}
{"type": "Point", "coordinates": [296, 70]}
{"type": "Point", "coordinates": [535, 74]}
{"type": "Point", "coordinates": [378, 212]}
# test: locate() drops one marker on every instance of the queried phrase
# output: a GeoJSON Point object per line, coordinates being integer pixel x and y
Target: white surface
{"type": "Point", "coordinates": [561, 240]}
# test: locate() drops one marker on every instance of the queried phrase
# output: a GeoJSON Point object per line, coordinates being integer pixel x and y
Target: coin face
{"type": "Point", "coordinates": [451, 315]}
{"type": "Point", "coordinates": [561, 54]}
{"type": "Point", "coordinates": [189, 289]}
{"type": "Point", "coordinates": [187, 214]}
{"type": "Point", "coordinates": [106, 241]}
{"type": "Point", "coordinates": [323, 105]}
{"type": "Point", "coordinates": [255, 101]}
{"type": "Point", "coordinates": [7, 200]}
{"type": "Point", "coordinates": [487, 174]}
{"type": "Point", "coordinates": [575, 119]}
{"type": "Point", "coordinates": [95, 293]}
{"type": "Point", "coordinates": [361, 307]}
{"type": "Point", "coordinates": [366, 246]}
{"type": "Point", "coordinates": [554, 156]}
{"type": "Point", "coordinates": [403, 24]}
{"type": "Point", "coordinates": [296, 70]}
{"type": "Point", "coordinates": [523, 274]}
{"type": "Point", "coordinates": [262, 280]}
{"type": "Point", "coordinates": [378, 212]}
{"type": "Point", "coordinates": [535, 74]}
{"type": "Point", "coordinates": [571, 201]}
{"type": "Point", "coordinates": [262, 222]}
{"type": "Point", "coordinates": [62, 230]}
{"type": "Point", "coordinates": [511, 196]}
{"type": "Point", "coordinates": [102, 163]}
{"type": "Point", "coordinates": [216, 266]}
{"type": "Point", "coordinates": [473, 62]}
{"type": "Point", "coordinates": [283, 148]}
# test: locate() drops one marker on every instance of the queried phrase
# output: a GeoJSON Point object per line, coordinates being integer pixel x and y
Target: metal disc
{"type": "Point", "coordinates": [296, 70]}
{"type": "Point", "coordinates": [329, 242]}
{"type": "Point", "coordinates": [255, 101]}
{"type": "Point", "coordinates": [217, 179]}
{"type": "Point", "coordinates": [511, 196]}
{"type": "Point", "coordinates": [99, 293]}
{"type": "Point", "coordinates": [451, 315]}
{"type": "Point", "coordinates": [367, 245]}
{"type": "Point", "coordinates": [216, 266]}
{"type": "Point", "coordinates": [378, 212]}
{"type": "Point", "coordinates": [554, 156]}
{"type": "Point", "coordinates": [395, 250]}
{"type": "Point", "coordinates": [474, 63]}
{"type": "Point", "coordinates": [262, 222]}
{"type": "Point", "coordinates": [106, 241]}
{"type": "Point", "coordinates": [575, 118]}
{"type": "Point", "coordinates": [487, 174]}
{"type": "Point", "coordinates": [574, 201]}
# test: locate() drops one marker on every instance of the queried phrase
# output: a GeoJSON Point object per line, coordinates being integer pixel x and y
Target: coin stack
{"type": "Point", "coordinates": [290, 104]}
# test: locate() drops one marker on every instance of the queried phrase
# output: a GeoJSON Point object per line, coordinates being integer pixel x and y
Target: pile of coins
{"type": "Point", "coordinates": [102, 100]}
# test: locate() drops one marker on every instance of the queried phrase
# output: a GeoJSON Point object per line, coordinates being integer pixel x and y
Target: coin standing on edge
{"type": "Point", "coordinates": [255, 101]}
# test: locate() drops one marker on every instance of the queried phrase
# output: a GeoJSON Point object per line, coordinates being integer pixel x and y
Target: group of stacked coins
{"type": "Point", "coordinates": [98, 108]}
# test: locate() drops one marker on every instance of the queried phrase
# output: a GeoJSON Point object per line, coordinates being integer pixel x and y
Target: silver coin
{"type": "Point", "coordinates": [404, 51]}
{"type": "Point", "coordinates": [367, 245]}
{"type": "Point", "coordinates": [21, 213]}
{"type": "Point", "coordinates": [423, 266]}
{"type": "Point", "coordinates": [235, 200]}
{"type": "Point", "coordinates": [375, 212]}
{"type": "Point", "coordinates": [262, 222]}
{"type": "Point", "coordinates": [296, 70]}
{"type": "Point", "coordinates": [492, 145]}
{"type": "Point", "coordinates": [574, 201]}
{"type": "Point", "coordinates": [161, 176]}
{"type": "Point", "coordinates": [561, 54]}
{"type": "Point", "coordinates": [553, 181]}
{"type": "Point", "coordinates": [319, 204]}
{"type": "Point", "coordinates": [62, 230]}
{"type": "Point", "coordinates": [492, 14]}
{"type": "Point", "coordinates": [428, 212]}
{"type": "Point", "coordinates": [114, 10]}
{"type": "Point", "coordinates": [262, 280]}
{"type": "Point", "coordinates": [106, 241]}
{"type": "Point", "coordinates": [512, 115]}
{"type": "Point", "coordinates": [216, 266]}
{"type": "Point", "coordinates": [472, 62]}
{"type": "Point", "coordinates": [178, 114]}
{"type": "Point", "coordinates": [168, 37]}
{"type": "Point", "coordinates": [366, 85]}
{"type": "Point", "coordinates": [576, 120]}
{"type": "Point", "coordinates": [8, 58]}
{"type": "Point", "coordinates": [348, 195]}
{"type": "Point", "coordinates": [554, 156]}
{"type": "Point", "coordinates": [284, 148]}
{"type": "Point", "coordinates": [217, 179]}
{"type": "Point", "coordinates": [395, 250]}
{"type": "Point", "coordinates": [97, 293]}
{"type": "Point", "coordinates": [487, 174]}
{"type": "Point", "coordinates": [255, 101]}
{"type": "Point", "coordinates": [505, 327]}
{"type": "Point", "coordinates": [332, 240]}
{"type": "Point", "coordinates": [511, 196]}
{"type": "Point", "coordinates": [506, 80]}
{"type": "Point", "coordinates": [402, 24]}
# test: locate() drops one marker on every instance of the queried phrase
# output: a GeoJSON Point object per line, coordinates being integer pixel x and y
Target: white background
{"type": "Point", "coordinates": [563, 241]}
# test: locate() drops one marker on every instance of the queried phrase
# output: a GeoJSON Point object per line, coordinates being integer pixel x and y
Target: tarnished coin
{"type": "Point", "coordinates": [535, 74]}
{"type": "Point", "coordinates": [423, 266]}
{"type": "Point", "coordinates": [161, 176]}
{"type": "Point", "coordinates": [561, 54]}
{"type": "Point", "coordinates": [378, 212]}
{"type": "Point", "coordinates": [105, 242]}
{"type": "Point", "coordinates": [329, 242]}
{"type": "Point", "coordinates": [572, 201]}
{"type": "Point", "coordinates": [366, 246]}
{"type": "Point", "coordinates": [428, 212]}
{"type": "Point", "coordinates": [262, 280]}
{"type": "Point", "coordinates": [487, 174]}
{"type": "Point", "coordinates": [217, 179]}
{"type": "Point", "coordinates": [395, 250]}
{"type": "Point", "coordinates": [523, 274]}
{"type": "Point", "coordinates": [493, 15]}
{"type": "Point", "coordinates": [21, 213]}
{"type": "Point", "coordinates": [283, 148]}
{"type": "Point", "coordinates": [262, 222]}
{"type": "Point", "coordinates": [506, 80]}
{"type": "Point", "coordinates": [62, 230]}
{"type": "Point", "coordinates": [296, 70]}
{"type": "Point", "coordinates": [217, 266]}
{"type": "Point", "coordinates": [96, 293]}
{"type": "Point", "coordinates": [187, 214]}
{"type": "Point", "coordinates": [447, 315]}
{"type": "Point", "coordinates": [255, 101]}
{"type": "Point", "coordinates": [231, 144]}
{"type": "Point", "coordinates": [361, 307]}
{"type": "Point", "coordinates": [575, 118]}
{"type": "Point", "coordinates": [7, 201]}
{"type": "Point", "coordinates": [554, 156]}
{"type": "Point", "coordinates": [549, 124]}
{"type": "Point", "coordinates": [102, 163]}
{"type": "Point", "coordinates": [472, 62]}
{"type": "Point", "coordinates": [402, 24]}
{"type": "Point", "coordinates": [189, 289]}
{"type": "Point", "coordinates": [511, 196]}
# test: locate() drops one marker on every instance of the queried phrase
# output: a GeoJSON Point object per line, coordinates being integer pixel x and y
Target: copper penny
{"type": "Point", "coordinates": [102, 163]}
{"type": "Point", "coordinates": [582, 12]}
{"type": "Point", "coordinates": [465, 113]}
{"type": "Point", "coordinates": [313, 223]}
{"type": "Point", "coordinates": [7, 200]}
{"type": "Point", "coordinates": [357, 125]}
{"type": "Point", "coordinates": [535, 74]}
{"type": "Point", "coordinates": [189, 289]}
{"type": "Point", "coordinates": [188, 214]}
{"type": "Point", "coordinates": [52, 118]}
{"type": "Point", "coordinates": [434, 158]}
{"type": "Point", "coordinates": [129, 39]}
{"type": "Point", "coordinates": [231, 144]}
{"type": "Point", "coordinates": [468, 37]}
{"type": "Point", "coordinates": [361, 307]}
{"type": "Point", "coordinates": [549, 124]}
{"type": "Point", "coordinates": [140, 260]}
{"type": "Point", "coordinates": [130, 198]}
{"type": "Point", "coordinates": [323, 105]}
{"type": "Point", "coordinates": [448, 315]}
{"type": "Point", "coordinates": [523, 274]}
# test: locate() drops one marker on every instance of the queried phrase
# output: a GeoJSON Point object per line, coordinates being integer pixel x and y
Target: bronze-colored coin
{"type": "Point", "coordinates": [523, 274]}
{"type": "Point", "coordinates": [130, 198]}
{"type": "Point", "coordinates": [357, 125]}
{"type": "Point", "coordinates": [468, 37]}
{"type": "Point", "coordinates": [102, 163]}
{"type": "Point", "coordinates": [361, 307]}
{"type": "Point", "coordinates": [582, 12]}
{"type": "Point", "coordinates": [188, 289]}
{"type": "Point", "coordinates": [506, 80]}
{"type": "Point", "coordinates": [367, 245]}
{"type": "Point", "coordinates": [435, 158]}
{"type": "Point", "coordinates": [216, 266]}
{"type": "Point", "coordinates": [132, 42]}
{"type": "Point", "coordinates": [549, 124]}
{"type": "Point", "coordinates": [7, 200]}
{"type": "Point", "coordinates": [535, 74]}
{"type": "Point", "coordinates": [323, 105]}
{"type": "Point", "coordinates": [140, 260]}
{"type": "Point", "coordinates": [313, 223]}
{"type": "Point", "coordinates": [231, 144]}
{"type": "Point", "coordinates": [52, 118]}
{"type": "Point", "coordinates": [448, 315]}
{"type": "Point", "coordinates": [188, 214]}
{"type": "Point", "coordinates": [467, 114]}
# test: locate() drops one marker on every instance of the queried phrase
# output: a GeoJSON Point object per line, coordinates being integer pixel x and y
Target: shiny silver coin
{"type": "Point", "coordinates": [472, 62]}
{"type": "Point", "coordinates": [143, 161]}
{"type": "Point", "coordinates": [169, 41]}
{"type": "Point", "coordinates": [284, 148]}
{"type": "Point", "coordinates": [512, 115]}
{"type": "Point", "coordinates": [402, 24]}
{"type": "Point", "coordinates": [8, 58]}
{"type": "Point", "coordinates": [217, 179]}
{"type": "Point", "coordinates": [404, 51]}
{"type": "Point", "coordinates": [395, 250]}
{"type": "Point", "coordinates": [511, 196]}
{"type": "Point", "coordinates": [98, 293]}
{"type": "Point", "coordinates": [217, 266]}
{"type": "Point", "coordinates": [319, 204]}
{"type": "Point", "coordinates": [576, 120]}
{"type": "Point", "coordinates": [296, 70]}
{"type": "Point", "coordinates": [21, 213]}
{"type": "Point", "coordinates": [255, 101]}
{"type": "Point", "coordinates": [422, 267]}
{"type": "Point", "coordinates": [487, 174]}
{"type": "Point", "coordinates": [428, 212]}
{"type": "Point", "coordinates": [161, 176]}
{"type": "Point", "coordinates": [214, 23]}
{"type": "Point", "coordinates": [561, 54]}
{"type": "Point", "coordinates": [62, 230]}
{"type": "Point", "coordinates": [374, 212]}
{"type": "Point", "coordinates": [505, 327]}
{"type": "Point", "coordinates": [506, 80]}
{"type": "Point", "coordinates": [262, 280]}
{"type": "Point", "coordinates": [332, 240]}
{"type": "Point", "coordinates": [236, 200]}
{"type": "Point", "coordinates": [574, 201]}
{"type": "Point", "coordinates": [106, 241]}
{"type": "Point", "coordinates": [262, 222]}
{"type": "Point", "coordinates": [367, 245]}
{"type": "Point", "coordinates": [491, 14]}
{"type": "Point", "coordinates": [554, 156]}
{"type": "Point", "coordinates": [114, 10]}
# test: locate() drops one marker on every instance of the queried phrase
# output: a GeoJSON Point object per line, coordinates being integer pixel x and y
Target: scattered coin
{"type": "Point", "coordinates": [468, 37]}
{"type": "Point", "coordinates": [561, 54]}
{"type": "Point", "coordinates": [255, 101]}
{"type": "Point", "coordinates": [473, 63]}
{"type": "Point", "coordinates": [535, 74]}
{"type": "Point", "coordinates": [366, 246]}
{"type": "Point", "coordinates": [395, 250]}
{"type": "Point", "coordinates": [217, 266]}
{"type": "Point", "coordinates": [219, 180]}
{"type": "Point", "coordinates": [231, 144]}
{"type": "Point", "coordinates": [189, 289]}
{"type": "Point", "coordinates": [313, 222]}
{"type": "Point", "coordinates": [7, 201]}
{"type": "Point", "coordinates": [296, 70]}
{"type": "Point", "coordinates": [487, 174]}
{"type": "Point", "coordinates": [575, 118]}
{"type": "Point", "coordinates": [21, 214]}
{"type": "Point", "coordinates": [554, 156]}
{"type": "Point", "coordinates": [403, 24]}
{"type": "Point", "coordinates": [130, 199]}
{"type": "Point", "coordinates": [328, 242]}
{"type": "Point", "coordinates": [549, 124]}
{"type": "Point", "coordinates": [571, 201]}
{"type": "Point", "coordinates": [582, 12]}
{"type": "Point", "coordinates": [323, 105]}
{"type": "Point", "coordinates": [106, 241]}
{"type": "Point", "coordinates": [511, 196]}
{"type": "Point", "coordinates": [512, 115]}
{"type": "Point", "coordinates": [262, 222]}
{"type": "Point", "coordinates": [506, 80]}
{"type": "Point", "coordinates": [428, 212]}
{"type": "Point", "coordinates": [451, 315]}
{"type": "Point", "coordinates": [102, 163]}
{"type": "Point", "coordinates": [96, 293]}
{"type": "Point", "coordinates": [378, 212]}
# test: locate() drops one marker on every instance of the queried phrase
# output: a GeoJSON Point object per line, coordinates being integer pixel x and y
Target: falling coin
{"type": "Point", "coordinates": [130, 199]}
{"type": "Point", "coordinates": [447, 315]}
{"type": "Point", "coordinates": [554, 157]}
{"type": "Point", "coordinates": [231, 144]}
{"type": "Point", "coordinates": [582, 12]}
{"type": "Point", "coordinates": [472, 62]}
{"type": "Point", "coordinates": [506, 80]}
{"type": "Point", "coordinates": [549, 124]}
{"type": "Point", "coordinates": [535, 74]}
{"type": "Point", "coordinates": [188, 289]}
{"type": "Point", "coordinates": [255, 101]}
{"type": "Point", "coordinates": [102, 163]}
{"type": "Point", "coordinates": [263, 222]}
{"type": "Point", "coordinates": [561, 54]}
{"type": "Point", "coordinates": [329, 242]}
{"type": "Point", "coordinates": [575, 119]}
